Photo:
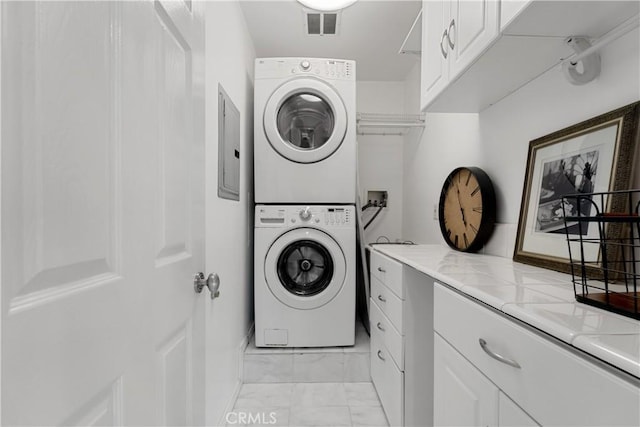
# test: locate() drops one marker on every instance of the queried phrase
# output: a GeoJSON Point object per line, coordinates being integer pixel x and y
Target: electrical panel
{"type": "Point", "coordinates": [228, 147]}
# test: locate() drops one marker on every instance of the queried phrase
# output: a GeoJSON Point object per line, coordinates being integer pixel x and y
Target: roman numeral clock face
{"type": "Point", "coordinates": [467, 209]}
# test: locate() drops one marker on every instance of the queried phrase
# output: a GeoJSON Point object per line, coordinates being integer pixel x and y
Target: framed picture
{"type": "Point", "coordinates": [596, 155]}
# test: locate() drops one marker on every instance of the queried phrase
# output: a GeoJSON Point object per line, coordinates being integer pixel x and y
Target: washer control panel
{"type": "Point", "coordinates": [336, 69]}
{"type": "Point", "coordinates": [297, 216]}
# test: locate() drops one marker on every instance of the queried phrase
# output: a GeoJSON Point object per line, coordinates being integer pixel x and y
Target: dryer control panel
{"type": "Point", "coordinates": [307, 215]}
{"type": "Point", "coordinates": [338, 216]}
{"type": "Point", "coordinates": [336, 69]}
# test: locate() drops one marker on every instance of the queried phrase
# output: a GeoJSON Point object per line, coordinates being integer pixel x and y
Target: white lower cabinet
{"type": "Point", "coordinates": [401, 322]}
{"type": "Point", "coordinates": [462, 395]}
{"type": "Point", "coordinates": [389, 382]}
{"type": "Point", "coordinates": [487, 366]}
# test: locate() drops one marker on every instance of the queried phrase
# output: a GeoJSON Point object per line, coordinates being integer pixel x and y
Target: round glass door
{"type": "Point", "coordinates": [305, 120]}
{"type": "Point", "coordinates": [305, 268]}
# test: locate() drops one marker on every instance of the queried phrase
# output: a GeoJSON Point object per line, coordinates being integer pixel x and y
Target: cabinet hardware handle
{"type": "Point", "coordinates": [380, 327]}
{"type": "Point", "coordinates": [380, 355]}
{"type": "Point", "coordinates": [444, 52]}
{"type": "Point", "coordinates": [452, 26]}
{"type": "Point", "coordinates": [497, 356]}
{"type": "Point", "coordinates": [381, 298]}
{"type": "Point", "coordinates": [382, 270]}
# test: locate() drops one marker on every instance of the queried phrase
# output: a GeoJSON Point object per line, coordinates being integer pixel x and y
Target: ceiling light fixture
{"type": "Point", "coordinates": [326, 5]}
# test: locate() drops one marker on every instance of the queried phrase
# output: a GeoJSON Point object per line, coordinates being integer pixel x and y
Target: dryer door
{"type": "Point", "coordinates": [305, 120]}
{"type": "Point", "coordinates": [305, 268]}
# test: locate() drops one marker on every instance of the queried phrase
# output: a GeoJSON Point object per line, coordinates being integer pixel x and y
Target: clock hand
{"type": "Point", "coordinates": [460, 204]}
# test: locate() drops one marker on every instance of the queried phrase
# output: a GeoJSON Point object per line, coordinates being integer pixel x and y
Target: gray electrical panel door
{"type": "Point", "coordinates": [228, 147]}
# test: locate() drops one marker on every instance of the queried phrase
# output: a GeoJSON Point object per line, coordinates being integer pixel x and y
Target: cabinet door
{"type": "Point", "coordinates": [473, 26]}
{"type": "Point", "coordinates": [511, 415]}
{"type": "Point", "coordinates": [435, 50]}
{"type": "Point", "coordinates": [388, 381]}
{"type": "Point", "coordinates": [462, 395]}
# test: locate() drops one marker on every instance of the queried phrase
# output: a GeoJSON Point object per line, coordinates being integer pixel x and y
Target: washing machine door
{"type": "Point", "coordinates": [305, 268]}
{"type": "Point", "coordinates": [305, 120]}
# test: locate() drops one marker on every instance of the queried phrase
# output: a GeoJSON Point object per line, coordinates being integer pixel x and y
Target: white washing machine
{"type": "Point", "coordinates": [305, 131]}
{"type": "Point", "coordinates": [305, 277]}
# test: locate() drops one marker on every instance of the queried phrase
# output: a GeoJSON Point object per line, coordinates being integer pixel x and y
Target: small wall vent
{"type": "Point", "coordinates": [321, 24]}
{"type": "Point", "coordinates": [313, 23]}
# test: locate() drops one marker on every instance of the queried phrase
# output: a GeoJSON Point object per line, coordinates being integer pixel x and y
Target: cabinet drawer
{"type": "Point", "coordinates": [548, 373]}
{"type": "Point", "coordinates": [387, 335]}
{"type": "Point", "coordinates": [389, 382]}
{"type": "Point", "coordinates": [388, 302]}
{"type": "Point", "coordinates": [388, 271]}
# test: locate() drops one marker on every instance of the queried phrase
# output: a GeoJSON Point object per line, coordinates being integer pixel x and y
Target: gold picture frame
{"type": "Point", "coordinates": [596, 155]}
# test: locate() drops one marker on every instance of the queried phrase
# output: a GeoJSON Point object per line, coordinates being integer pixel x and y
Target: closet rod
{"type": "Point", "coordinates": [391, 124]}
{"type": "Point", "coordinates": [614, 34]}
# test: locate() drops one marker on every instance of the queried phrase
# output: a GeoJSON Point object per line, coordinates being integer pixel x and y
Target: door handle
{"type": "Point", "coordinates": [379, 326]}
{"type": "Point", "coordinates": [212, 282]}
{"type": "Point", "coordinates": [381, 298]}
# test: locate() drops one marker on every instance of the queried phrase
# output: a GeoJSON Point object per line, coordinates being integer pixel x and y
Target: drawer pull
{"type": "Point", "coordinates": [381, 298]}
{"type": "Point", "coordinates": [497, 356]}
{"type": "Point", "coordinates": [382, 270]}
{"type": "Point", "coordinates": [380, 356]}
{"type": "Point", "coordinates": [380, 327]}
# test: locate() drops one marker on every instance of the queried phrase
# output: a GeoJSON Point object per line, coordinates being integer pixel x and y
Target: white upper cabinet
{"type": "Point", "coordinates": [494, 47]}
{"type": "Point", "coordinates": [473, 25]}
{"type": "Point", "coordinates": [455, 33]}
{"type": "Point", "coordinates": [435, 49]}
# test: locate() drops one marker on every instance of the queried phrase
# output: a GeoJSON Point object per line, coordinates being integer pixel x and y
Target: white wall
{"type": "Point", "coordinates": [229, 55]}
{"type": "Point", "coordinates": [497, 139]}
{"type": "Point", "coordinates": [380, 158]}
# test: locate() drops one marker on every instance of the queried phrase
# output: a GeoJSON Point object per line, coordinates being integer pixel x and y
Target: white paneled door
{"type": "Point", "coordinates": [102, 166]}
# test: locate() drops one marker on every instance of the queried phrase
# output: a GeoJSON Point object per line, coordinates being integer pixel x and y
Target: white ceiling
{"type": "Point", "coordinates": [370, 32]}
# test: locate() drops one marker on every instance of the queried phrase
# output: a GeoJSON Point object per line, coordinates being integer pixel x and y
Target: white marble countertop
{"type": "Point", "coordinates": [541, 298]}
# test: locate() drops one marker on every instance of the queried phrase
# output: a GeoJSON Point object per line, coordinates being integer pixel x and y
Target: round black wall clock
{"type": "Point", "coordinates": [467, 209]}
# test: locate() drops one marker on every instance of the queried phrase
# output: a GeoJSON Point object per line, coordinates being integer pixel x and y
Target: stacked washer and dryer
{"type": "Point", "coordinates": [305, 192]}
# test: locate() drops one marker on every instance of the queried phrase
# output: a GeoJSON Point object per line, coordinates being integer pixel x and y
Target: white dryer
{"type": "Point", "coordinates": [304, 284]}
{"type": "Point", "coordinates": [305, 131]}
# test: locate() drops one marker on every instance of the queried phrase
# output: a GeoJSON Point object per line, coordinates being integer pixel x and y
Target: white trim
{"type": "Point", "coordinates": [236, 391]}
{"type": "Point", "coordinates": [243, 347]}
{"type": "Point", "coordinates": [1, 287]}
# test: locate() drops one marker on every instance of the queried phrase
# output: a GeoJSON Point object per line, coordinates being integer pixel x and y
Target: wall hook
{"type": "Point", "coordinates": [590, 63]}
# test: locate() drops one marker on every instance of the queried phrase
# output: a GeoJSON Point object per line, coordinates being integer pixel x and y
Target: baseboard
{"type": "Point", "coordinates": [243, 347]}
{"type": "Point", "coordinates": [234, 396]}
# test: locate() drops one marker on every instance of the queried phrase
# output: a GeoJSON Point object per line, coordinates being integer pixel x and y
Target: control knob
{"type": "Point", "coordinates": [305, 214]}
{"type": "Point", "coordinates": [305, 65]}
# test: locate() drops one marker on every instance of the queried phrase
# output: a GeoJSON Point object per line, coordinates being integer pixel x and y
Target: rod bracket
{"type": "Point", "coordinates": [590, 63]}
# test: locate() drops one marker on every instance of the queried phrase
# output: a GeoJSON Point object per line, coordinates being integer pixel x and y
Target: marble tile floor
{"type": "Point", "coordinates": [307, 404]}
{"type": "Point", "coordinates": [309, 365]}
